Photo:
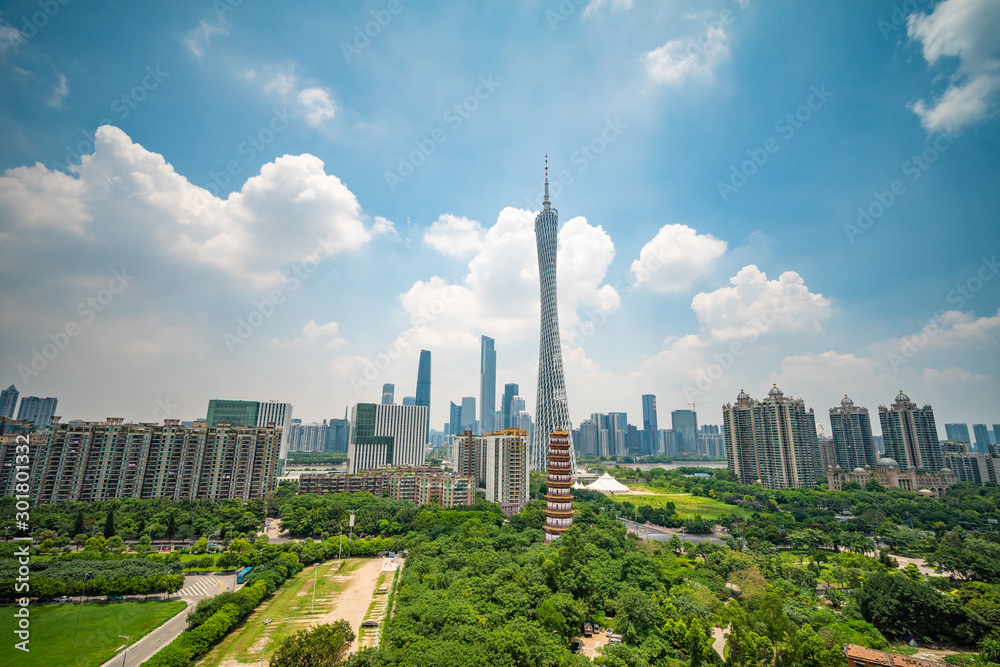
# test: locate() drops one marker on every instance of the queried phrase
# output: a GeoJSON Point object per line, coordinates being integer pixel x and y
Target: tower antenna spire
{"type": "Point", "coordinates": [546, 200]}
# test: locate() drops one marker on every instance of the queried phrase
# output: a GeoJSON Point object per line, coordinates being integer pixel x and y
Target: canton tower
{"type": "Point", "coordinates": [551, 409]}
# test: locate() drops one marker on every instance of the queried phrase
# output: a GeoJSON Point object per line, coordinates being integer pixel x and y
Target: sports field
{"type": "Point", "coordinates": [686, 505]}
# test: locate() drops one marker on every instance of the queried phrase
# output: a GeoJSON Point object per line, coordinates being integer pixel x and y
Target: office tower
{"type": "Point", "coordinates": [910, 434]}
{"type": "Point", "coordinates": [423, 393]}
{"type": "Point", "coordinates": [8, 401]}
{"type": "Point", "coordinates": [338, 435]}
{"type": "Point", "coordinates": [524, 422]}
{"type": "Point", "coordinates": [558, 497]}
{"type": "Point", "coordinates": [650, 430]}
{"type": "Point", "coordinates": [852, 436]}
{"type": "Point", "coordinates": [280, 415]}
{"type": "Point", "coordinates": [551, 406]}
{"type": "Point", "coordinates": [957, 432]}
{"type": "Point", "coordinates": [982, 438]}
{"type": "Point", "coordinates": [37, 410]}
{"type": "Point", "coordinates": [386, 435]}
{"type": "Point", "coordinates": [388, 393]}
{"type": "Point", "coordinates": [487, 384]}
{"type": "Point", "coordinates": [95, 461]}
{"type": "Point", "coordinates": [772, 442]}
{"type": "Point", "coordinates": [684, 424]}
{"type": "Point", "coordinates": [470, 456]}
{"type": "Point", "coordinates": [409, 400]}
{"type": "Point", "coordinates": [238, 413]}
{"type": "Point", "coordinates": [468, 414]}
{"type": "Point", "coordinates": [506, 454]}
{"type": "Point", "coordinates": [507, 411]}
{"type": "Point", "coordinates": [588, 442]}
{"type": "Point", "coordinates": [455, 419]}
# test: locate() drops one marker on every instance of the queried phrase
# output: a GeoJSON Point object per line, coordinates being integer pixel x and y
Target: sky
{"type": "Point", "coordinates": [231, 199]}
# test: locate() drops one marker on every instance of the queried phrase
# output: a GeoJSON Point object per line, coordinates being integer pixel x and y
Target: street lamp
{"type": "Point", "coordinates": [267, 622]}
{"type": "Point", "coordinates": [80, 607]}
{"type": "Point", "coordinates": [312, 608]}
{"type": "Point", "coordinates": [125, 654]}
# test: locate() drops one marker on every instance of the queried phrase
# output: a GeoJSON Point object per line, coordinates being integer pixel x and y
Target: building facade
{"type": "Point", "coordinates": [772, 442]}
{"type": "Point", "coordinates": [852, 435]}
{"type": "Point", "coordinates": [470, 456]}
{"type": "Point", "coordinates": [910, 435]}
{"type": "Point", "coordinates": [551, 405]}
{"type": "Point", "coordinates": [506, 454]}
{"type": "Point", "coordinates": [957, 432]}
{"type": "Point", "coordinates": [650, 429]}
{"type": "Point", "coordinates": [684, 424]}
{"type": "Point", "coordinates": [890, 475]}
{"type": "Point", "coordinates": [559, 496]}
{"type": "Point", "coordinates": [239, 413]}
{"type": "Point", "coordinates": [507, 410]}
{"type": "Point", "coordinates": [388, 393]}
{"type": "Point", "coordinates": [982, 437]}
{"type": "Point", "coordinates": [419, 485]}
{"type": "Point", "coordinates": [338, 435]}
{"type": "Point", "coordinates": [487, 384]}
{"type": "Point", "coordinates": [423, 392]}
{"type": "Point", "coordinates": [94, 461]}
{"type": "Point", "coordinates": [37, 410]}
{"type": "Point", "coordinates": [8, 401]}
{"type": "Point", "coordinates": [309, 437]}
{"type": "Point", "coordinates": [386, 436]}
{"type": "Point", "coordinates": [273, 413]}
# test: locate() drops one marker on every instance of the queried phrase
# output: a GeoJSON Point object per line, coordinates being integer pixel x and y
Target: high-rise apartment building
{"type": "Point", "coordinates": [712, 440]}
{"type": "Point", "coordinates": [507, 411]}
{"type": "Point", "coordinates": [309, 437]}
{"type": "Point", "coordinates": [551, 405]}
{"type": "Point", "coordinates": [470, 456]}
{"type": "Point", "coordinates": [982, 438]}
{"type": "Point", "coordinates": [487, 384]}
{"type": "Point", "coordinates": [587, 440]}
{"type": "Point", "coordinates": [650, 429]}
{"type": "Point", "coordinates": [419, 486]}
{"type": "Point", "coordinates": [94, 461]}
{"type": "Point", "coordinates": [423, 393]}
{"type": "Point", "coordinates": [237, 413]}
{"type": "Point", "coordinates": [8, 401]}
{"type": "Point", "coordinates": [506, 454]}
{"type": "Point", "coordinates": [386, 436]}
{"type": "Point", "coordinates": [388, 393]}
{"type": "Point", "coordinates": [559, 496]}
{"type": "Point", "coordinates": [772, 441]}
{"type": "Point", "coordinates": [852, 436]}
{"type": "Point", "coordinates": [910, 434]}
{"type": "Point", "coordinates": [37, 410]}
{"type": "Point", "coordinates": [957, 432]}
{"type": "Point", "coordinates": [684, 424]}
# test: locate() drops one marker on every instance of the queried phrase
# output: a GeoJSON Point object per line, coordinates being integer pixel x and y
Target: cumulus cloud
{"type": "Point", "coordinates": [967, 30]}
{"type": "Point", "coordinates": [754, 305]}
{"type": "Point", "coordinates": [675, 258]}
{"type": "Point", "coordinates": [10, 38]}
{"type": "Point", "coordinates": [953, 375]}
{"type": "Point", "coordinates": [59, 93]}
{"type": "Point", "coordinates": [327, 335]}
{"type": "Point", "coordinates": [685, 58]}
{"type": "Point", "coordinates": [455, 236]}
{"type": "Point", "coordinates": [198, 39]}
{"type": "Point", "coordinates": [318, 105]}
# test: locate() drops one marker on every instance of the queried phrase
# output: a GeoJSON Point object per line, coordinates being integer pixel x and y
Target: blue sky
{"type": "Point", "coordinates": [374, 193]}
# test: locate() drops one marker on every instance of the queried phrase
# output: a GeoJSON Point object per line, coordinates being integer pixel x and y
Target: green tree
{"type": "Point", "coordinates": [109, 525]}
{"type": "Point", "coordinates": [321, 646]}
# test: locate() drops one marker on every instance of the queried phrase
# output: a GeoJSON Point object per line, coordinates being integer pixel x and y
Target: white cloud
{"type": "Point", "coordinates": [595, 6]}
{"type": "Point", "coordinates": [755, 305]}
{"type": "Point", "coordinates": [455, 236]}
{"type": "Point", "coordinates": [966, 29]}
{"type": "Point", "coordinates": [314, 334]}
{"type": "Point", "coordinates": [282, 83]}
{"type": "Point", "coordinates": [685, 58]}
{"type": "Point", "coordinates": [952, 329]}
{"type": "Point", "coordinates": [675, 258]}
{"type": "Point", "coordinates": [384, 227]}
{"type": "Point", "coordinates": [952, 375]}
{"type": "Point", "coordinates": [10, 38]}
{"type": "Point", "coordinates": [198, 39]}
{"type": "Point", "coordinates": [318, 105]}
{"type": "Point", "coordinates": [59, 93]}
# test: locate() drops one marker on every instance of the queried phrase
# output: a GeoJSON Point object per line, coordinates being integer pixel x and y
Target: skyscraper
{"type": "Point", "coordinates": [280, 415]}
{"type": "Point", "coordinates": [852, 436]}
{"type": "Point", "coordinates": [239, 413]}
{"type": "Point", "coordinates": [551, 407]}
{"type": "Point", "coordinates": [487, 384]}
{"type": "Point", "coordinates": [389, 393]}
{"type": "Point", "coordinates": [37, 410]}
{"type": "Point", "coordinates": [506, 454]}
{"type": "Point", "coordinates": [957, 432]}
{"type": "Point", "coordinates": [773, 441]}
{"type": "Point", "coordinates": [468, 414]}
{"type": "Point", "coordinates": [650, 431]}
{"type": "Point", "coordinates": [423, 394]}
{"type": "Point", "coordinates": [507, 411]}
{"type": "Point", "coordinates": [982, 438]}
{"type": "Point", "coordinates": [386, 435]}
{"type": "Point", "coordinates": [8, 401]}
{"type": "Point", "coordinates": [338, 435]}
{"type": "Point", "coordinates": [455, 419]}
{"type": "Point", "coordinates": [910, 434]}
{"type": "Point", "coordinates": [685, 426]}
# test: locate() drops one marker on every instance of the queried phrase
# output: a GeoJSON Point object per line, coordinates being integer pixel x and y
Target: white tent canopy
{"type": "Point", "coordinates": [607, 484]}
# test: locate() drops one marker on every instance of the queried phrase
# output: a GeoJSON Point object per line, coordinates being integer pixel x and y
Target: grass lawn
{"type": "Point", "coordinates": [55, 639]}
{"type": "Point", "coordinates": [686, 505]}
{"type": "Point", "coordinates": [292, 602]}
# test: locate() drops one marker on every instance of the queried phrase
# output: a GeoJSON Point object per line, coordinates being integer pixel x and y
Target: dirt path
{"type": "Point", "coordinates": [352, 603]}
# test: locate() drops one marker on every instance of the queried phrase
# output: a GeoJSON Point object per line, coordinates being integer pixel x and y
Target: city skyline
{"type": "Point", "coordinates": [236, 205]}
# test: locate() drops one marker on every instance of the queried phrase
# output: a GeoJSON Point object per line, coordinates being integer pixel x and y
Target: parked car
{"type": "Point", "coordinates": [609, 633]}
{"type": "Point", "coordinates": [115, 598]}
{"type": "Point", "coordinates": [575, 645]}
{"type": "Point", "coordinates": [63, 599]}
{"type": "Point", "coordinates": [381, 591]}
{"type": "Point", "coordinates": [369, 624]}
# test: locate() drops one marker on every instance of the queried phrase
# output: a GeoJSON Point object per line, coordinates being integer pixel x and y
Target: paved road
{"type": "Point", "coordinates": [196, 587]}
{"type": "Point", "coordinates": [650, 532]}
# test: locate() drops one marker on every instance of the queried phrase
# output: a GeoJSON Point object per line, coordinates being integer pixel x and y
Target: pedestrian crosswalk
{"type": "Point", "coordinates": [200, 587]}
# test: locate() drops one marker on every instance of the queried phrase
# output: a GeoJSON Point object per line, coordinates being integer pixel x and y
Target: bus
{"type": "Point", "coordinates": [243, 573]}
